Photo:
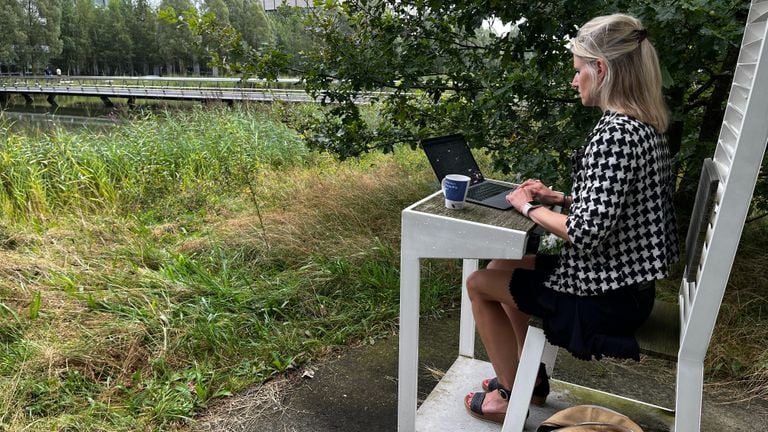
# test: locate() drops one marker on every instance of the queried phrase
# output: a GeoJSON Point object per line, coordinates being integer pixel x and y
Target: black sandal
{"type": "Point", "coordinates": [540, 390]}
{"type": "Point", "coordinates": [474, 406]}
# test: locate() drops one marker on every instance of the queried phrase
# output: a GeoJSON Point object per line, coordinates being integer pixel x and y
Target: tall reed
{"type": "Point", "coordinates": [192, 156]}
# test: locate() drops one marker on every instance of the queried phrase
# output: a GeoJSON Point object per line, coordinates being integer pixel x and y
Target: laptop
{"type": "Point", "coordinates": [451, 155]}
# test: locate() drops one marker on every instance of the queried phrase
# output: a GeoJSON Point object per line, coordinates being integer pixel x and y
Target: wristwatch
{"type": "Point", "coordinates": [530, 205]}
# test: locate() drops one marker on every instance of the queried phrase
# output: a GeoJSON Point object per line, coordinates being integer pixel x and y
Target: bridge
{"type": "Point", "coordinates": [203, 89]}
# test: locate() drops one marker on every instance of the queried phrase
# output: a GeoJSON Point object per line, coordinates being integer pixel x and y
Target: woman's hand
{"type": "Point", "coordinates": [541, 193]}
{"type": "Point", "coordinates": [519, 197]}
{"type": "Point", "coordinates": [531, 190]}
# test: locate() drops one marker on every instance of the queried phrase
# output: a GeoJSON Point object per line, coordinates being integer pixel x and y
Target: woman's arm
{"type": "Point", "coordinates": [551, 221]}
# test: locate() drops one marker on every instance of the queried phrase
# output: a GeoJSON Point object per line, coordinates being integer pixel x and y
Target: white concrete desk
{"type": "Point", "coordinates": [429, 230]}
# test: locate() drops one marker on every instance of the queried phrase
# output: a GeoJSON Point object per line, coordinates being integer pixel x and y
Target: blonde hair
{"type": "Point", "coordinates": [632, 81]}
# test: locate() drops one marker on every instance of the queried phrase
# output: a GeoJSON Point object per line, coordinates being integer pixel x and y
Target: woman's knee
{"type": "Point", "coordinates": [488, 284]}
{"type": "Point", "coordinates": [475, 283]}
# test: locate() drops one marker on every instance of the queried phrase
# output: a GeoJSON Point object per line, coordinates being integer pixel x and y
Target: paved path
{"type": "Point", "coordinates": [356, 390]}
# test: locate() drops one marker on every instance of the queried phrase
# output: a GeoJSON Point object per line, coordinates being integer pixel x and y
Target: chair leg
{"type": "Point", "coordinates": [520, 399]}
{"type": "Point", "coordinates": [549, 357]}
{"type": "Point", "coordinates": [690, 382]}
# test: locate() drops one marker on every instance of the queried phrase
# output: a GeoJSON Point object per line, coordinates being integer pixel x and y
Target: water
{"type": "Point", "coordinates": [37, 121]}
{"type": "Point", "coordinates": [76, 113]}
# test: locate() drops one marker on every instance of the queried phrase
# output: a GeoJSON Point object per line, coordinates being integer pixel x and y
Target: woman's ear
{"type": "Point", "coordinates": [600, 66]}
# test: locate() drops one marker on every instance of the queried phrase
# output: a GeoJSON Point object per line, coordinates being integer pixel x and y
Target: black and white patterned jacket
{"type": "Point", "coordinates": [621, 223]}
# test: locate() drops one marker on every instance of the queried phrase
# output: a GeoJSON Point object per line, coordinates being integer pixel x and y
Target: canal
{"type": "Point", "coordinates": [77, 112]}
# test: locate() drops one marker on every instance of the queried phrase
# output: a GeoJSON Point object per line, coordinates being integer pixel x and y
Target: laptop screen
{"type": "Point", "coordinates": [451, 155]}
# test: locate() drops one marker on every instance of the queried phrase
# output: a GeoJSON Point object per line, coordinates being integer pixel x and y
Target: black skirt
{"type": "Point", "coordinates": [586, 326]}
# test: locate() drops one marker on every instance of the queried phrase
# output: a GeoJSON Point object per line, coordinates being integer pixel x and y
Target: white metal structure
{"type": "Point", "coordinates": [737, 160]}
{"type": "Point", "coordinates": [272, 5]}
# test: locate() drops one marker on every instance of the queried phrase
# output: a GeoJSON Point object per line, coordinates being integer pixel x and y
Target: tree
{"type": "Point", "coordinates": [12, 35]}
{"type": "Point", "coordinates": [112, 42]}
{"type": "Point", "coordinates": [292, 34]}
{"type": "Point", "coordinates": [41, 23]}
{"type": "Point", "coordinates": [77, 22]}
{"type": "Point", "coordinates": [175, 39]}
{"type": "Point", "coordinates": [142, 30]}
{"type": "Point", "coordinates": [249, 19]}
{"type": "Point", "coordinates": [508, 93]}
{"type": "Point", "coordinates": [220, 19]}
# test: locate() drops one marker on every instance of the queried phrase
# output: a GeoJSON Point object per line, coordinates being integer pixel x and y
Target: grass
{"type": "Point", "coordinates": [152, 268]}
{"type": "Point", "coordinates": [738, 353]}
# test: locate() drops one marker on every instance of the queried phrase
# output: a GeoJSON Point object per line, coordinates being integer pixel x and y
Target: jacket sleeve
{"type": "Point", "coordinates": [610, 168]}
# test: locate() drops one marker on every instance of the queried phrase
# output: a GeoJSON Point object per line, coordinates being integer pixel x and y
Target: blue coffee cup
{"type": "Point", "coordinates": [455, 187]}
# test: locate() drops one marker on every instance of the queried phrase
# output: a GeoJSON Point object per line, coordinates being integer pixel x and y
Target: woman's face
{"type": "Point", "coordinates": [584, 82]}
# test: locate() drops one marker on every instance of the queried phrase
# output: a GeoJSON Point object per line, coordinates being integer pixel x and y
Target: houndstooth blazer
{"type": "Point", "coordinates": [621, 224]}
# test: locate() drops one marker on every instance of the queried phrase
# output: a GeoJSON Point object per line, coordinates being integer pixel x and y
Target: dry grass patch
{"type": "Point", "coordinates": [738, 354]}
{"type": "Point", "coordinates": [334, 211]}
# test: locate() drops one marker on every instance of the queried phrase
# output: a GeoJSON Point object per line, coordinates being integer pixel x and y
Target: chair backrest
{"type": "Point", "coordinates": [660, 334]}
{"type": "Point", "coordinates": [701, 220]}
{"type": "Point", "coordinates": [736, 163]}
{"type": "Point", "coordinates": [699, 236]}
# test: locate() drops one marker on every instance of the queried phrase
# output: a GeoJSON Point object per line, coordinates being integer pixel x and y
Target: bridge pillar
{"type": "Point", "coordinates": [51, 98]}
{"type": "Point", "coordinates": [131, 102]}
{"type": "Point", "coordinates": [4, 98]}
{"type": "Point", "coordinates": [107, 103]}
{"type": "Point", "coordinates": [28, 99]}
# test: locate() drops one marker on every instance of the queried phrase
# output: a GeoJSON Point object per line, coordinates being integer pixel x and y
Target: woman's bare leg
{"type": "Point", "coordinates": [498, 322]}
{"type": "Point", "coordinates": [518, 319]}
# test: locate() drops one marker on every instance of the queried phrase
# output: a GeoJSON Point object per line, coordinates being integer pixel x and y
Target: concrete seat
{"type": "Point", "coordinates": [660, 334]}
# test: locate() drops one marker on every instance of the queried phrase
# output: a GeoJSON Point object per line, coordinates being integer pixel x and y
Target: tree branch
{"type": "Point", "coordinates": [756, 218]}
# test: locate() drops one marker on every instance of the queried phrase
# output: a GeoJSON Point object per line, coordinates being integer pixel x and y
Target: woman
{"type": "Point", "coordinates": [619, 232]}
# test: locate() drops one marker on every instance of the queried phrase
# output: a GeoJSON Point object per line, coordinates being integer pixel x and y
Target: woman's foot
{"type": "Point", "coordinates": [540, 390]}
{"type": "Point", "coordinates": [488, 406]}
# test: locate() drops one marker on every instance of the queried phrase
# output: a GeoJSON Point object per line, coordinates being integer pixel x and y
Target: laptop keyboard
{"type": "Point", "coordinates": [486, 190]}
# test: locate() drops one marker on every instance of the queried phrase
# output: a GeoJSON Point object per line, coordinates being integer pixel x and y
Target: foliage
{"type": "Point", "coordinates": [114, 37]}
{"type": "Point", "coordinates": [294, 38]}
{"type": "Point", "coordinates": [177, 39]}
{"type": "Point", "coordinates": [509, 93]}
{"type": "Point", "coordinates": [40, 22]}
{"type": "Point", "coordinates": [228, 48]}
{"type": "Point", "coordinates": [135, 309]}
{"type": "Point", "coordinates": [12, 34]}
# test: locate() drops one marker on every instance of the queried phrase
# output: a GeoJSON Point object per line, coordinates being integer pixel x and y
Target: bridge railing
{"type": "Point", "coordinates": [148, 81]}
{"type": "Point", "coordinates": [288, 89]}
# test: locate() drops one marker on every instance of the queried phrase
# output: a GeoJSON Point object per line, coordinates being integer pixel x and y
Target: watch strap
{"type": "Point", "coordinates": [528, 207]}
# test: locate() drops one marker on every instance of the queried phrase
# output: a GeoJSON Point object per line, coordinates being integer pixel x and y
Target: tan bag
{"type": "Point", "coordinates": [588, 418]}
